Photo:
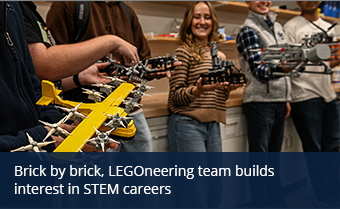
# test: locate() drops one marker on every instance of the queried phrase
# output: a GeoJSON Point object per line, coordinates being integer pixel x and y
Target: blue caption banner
{"type": "Point", "coordinates": [170, 180]}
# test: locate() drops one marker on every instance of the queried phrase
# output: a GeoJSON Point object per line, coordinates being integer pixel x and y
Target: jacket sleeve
{"type": "Point", "coordinates": [180, 92]}
{"type": "Point", "coordinates": [38, 133]}
{"type": "Point", "coordinates": [246, 42]}
{"type": "Point", "coordinates": [46, 113]}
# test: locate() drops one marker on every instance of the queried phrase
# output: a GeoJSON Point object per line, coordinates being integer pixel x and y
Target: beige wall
{"type": "Point", "coordinates": [157, 18]}
{"type": "Point", "coordinates": [165, 14]}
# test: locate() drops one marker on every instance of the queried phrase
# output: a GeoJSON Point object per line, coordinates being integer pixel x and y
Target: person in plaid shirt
{"type": "Point", "coordinates": [265, 96]}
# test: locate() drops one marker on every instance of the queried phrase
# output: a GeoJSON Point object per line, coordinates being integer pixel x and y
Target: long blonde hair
{"type": "Point", "coordinates": [187, 38]}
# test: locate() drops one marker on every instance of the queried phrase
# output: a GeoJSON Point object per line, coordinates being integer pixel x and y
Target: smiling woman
{"type": "Point", "coordinates": [199, 15]}
{"type": "Point", "coordinates": [196, 109]}
{"type": "Point", "coordinates": [201, 24]}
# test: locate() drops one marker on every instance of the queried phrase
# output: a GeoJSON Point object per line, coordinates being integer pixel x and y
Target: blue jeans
{"type": "Point", "coordinates": [318, 124]}
{"type": "Point", "coordinates": [187, 134]}
{"type": "Point", "coordinates": [265, 125]}
{"type": "Point", "coordinates": [142, 142]}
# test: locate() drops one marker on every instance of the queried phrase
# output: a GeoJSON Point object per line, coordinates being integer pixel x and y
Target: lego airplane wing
{"type": "Point", "coordinates": [81, 133]}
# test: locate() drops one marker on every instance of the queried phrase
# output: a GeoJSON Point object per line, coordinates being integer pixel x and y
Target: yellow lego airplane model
{"type": "Point", "coordinates": [96, 115]}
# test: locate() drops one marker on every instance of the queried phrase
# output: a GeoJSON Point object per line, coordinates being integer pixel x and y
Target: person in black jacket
{"type": "Point", "coordinates": [20, 87]}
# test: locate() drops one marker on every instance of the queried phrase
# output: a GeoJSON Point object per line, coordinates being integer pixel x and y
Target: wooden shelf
{"type": "Point", "coordinates": [231, 6]}
{"type": "Point", "coordinates": [178, 3]}
{"type": "Point", "coordinates": [182, 3]}
{"type": "Point", "coordinates": [176, 40]}
{"type": "Point", "coordinates": [161, 38]}
{"type": "Point", "coordinates": [330, 19]}
{"type": "Point", "coordinates": [240, 7]}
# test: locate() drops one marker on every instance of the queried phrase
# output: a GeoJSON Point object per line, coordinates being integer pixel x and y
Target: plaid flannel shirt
{"type": "Point", "coordinates": [248, 40]}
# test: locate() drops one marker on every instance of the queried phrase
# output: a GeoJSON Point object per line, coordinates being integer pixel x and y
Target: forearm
{"type": "Point", "coordinates": [180, 91]}
{"type": "Point", "coordinates": [89, 76]}
{"type": "Point", "coordinates": [68, 84]}
{"type": "Point", "coordinates": [183, 96]}
{"type": "Point", "coordinates": [334, 63]}
{"type": "Point", "coordinates": [61, 61]}
{"type": "Point", "coordinates": [197, 92]}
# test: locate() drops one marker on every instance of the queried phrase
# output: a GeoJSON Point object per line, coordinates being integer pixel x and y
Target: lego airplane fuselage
{"type": "Point", "coordinates": [95, 112]}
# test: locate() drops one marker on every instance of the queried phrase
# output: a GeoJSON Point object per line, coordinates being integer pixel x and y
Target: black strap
{"type": "Point", "coordinates": [127, 11]}
{"type": "Point", "coordinates": [318, 27]}
{"type": "Point", "coordinates": [329, 39]}
{"type": "Point", "coordinates": [76, 80]}
{"type": "Point", "coordinates": [332, 26]}
{"type": "Point", "coordinates": [82, 17]}
{"type": "Point", "coordinates": [81, 20]}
